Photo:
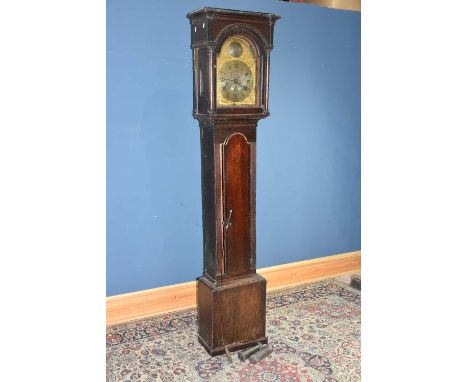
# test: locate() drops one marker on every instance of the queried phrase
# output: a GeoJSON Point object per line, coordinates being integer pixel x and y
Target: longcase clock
{"type": "Point", "coordinates": [231, 64]}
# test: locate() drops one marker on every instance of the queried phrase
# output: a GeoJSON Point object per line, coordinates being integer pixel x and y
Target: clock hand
{"type": "Point", "coordinates": [236, 82]}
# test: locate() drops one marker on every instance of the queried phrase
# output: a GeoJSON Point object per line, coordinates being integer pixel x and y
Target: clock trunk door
{"type": "Point", "coordinates": [237, 233]}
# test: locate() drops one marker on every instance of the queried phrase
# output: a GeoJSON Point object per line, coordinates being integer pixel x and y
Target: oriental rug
{"type": "Point", "coordinates": [313, 329]}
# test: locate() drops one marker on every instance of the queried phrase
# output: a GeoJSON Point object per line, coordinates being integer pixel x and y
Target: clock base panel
{"type": "Point", "coordinates": [231, 314]}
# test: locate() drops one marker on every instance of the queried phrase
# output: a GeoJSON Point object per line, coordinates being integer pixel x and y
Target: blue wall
{"type": "Point", "coordinates": [308, 150]}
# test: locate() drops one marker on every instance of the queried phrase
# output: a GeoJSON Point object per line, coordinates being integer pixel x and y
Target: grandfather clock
{"type": "Point", "coordinates": [231, 65]}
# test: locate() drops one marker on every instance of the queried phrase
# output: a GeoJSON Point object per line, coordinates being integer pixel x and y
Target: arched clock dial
{"type": "Point", "coordinates": [236, 72]}
{"type": "Point", "coordinates": [236, 81]}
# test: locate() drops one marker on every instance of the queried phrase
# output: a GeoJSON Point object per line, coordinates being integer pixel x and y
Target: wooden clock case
{"type": "Point", "coordinates": [230, 294]}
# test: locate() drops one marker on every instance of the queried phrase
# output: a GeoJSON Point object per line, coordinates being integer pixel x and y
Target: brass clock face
{"type": "Point", "coordinates": [236, 80]}
{"type": "Point", "coordinates": [236, 74]}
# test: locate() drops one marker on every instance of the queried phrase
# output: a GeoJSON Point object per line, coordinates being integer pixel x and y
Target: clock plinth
{"type": "Point", "coordinates": [231, 314]}
{"type": "Point", "coordinates": [231, 76]}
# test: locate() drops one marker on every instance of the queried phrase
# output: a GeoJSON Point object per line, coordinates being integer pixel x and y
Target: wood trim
{"type": "Point", "coordinates": [301, 272]}
{"type": "Point", "coordinates": [146, 303]}
{"type": "Point", "coordinates": [351, 5]}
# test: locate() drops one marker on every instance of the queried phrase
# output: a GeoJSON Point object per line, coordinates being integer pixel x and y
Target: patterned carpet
{"type": "Point", "coordinates": [314, 331]}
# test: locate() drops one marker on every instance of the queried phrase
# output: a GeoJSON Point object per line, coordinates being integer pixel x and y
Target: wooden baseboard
{"type": "Point", "coordinates": [352, 5]}
{"type": "Point", "coordinates": [146, 303]}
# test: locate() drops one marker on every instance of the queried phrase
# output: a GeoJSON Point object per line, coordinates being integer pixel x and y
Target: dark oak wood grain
{"type": "Point", "coordinates": [237, 205]}
{"type": "Point", "coordinates": [230, 294]}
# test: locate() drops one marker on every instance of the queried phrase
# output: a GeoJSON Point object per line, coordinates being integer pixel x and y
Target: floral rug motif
{"type": "Point", "coordinates": [314, 331]}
